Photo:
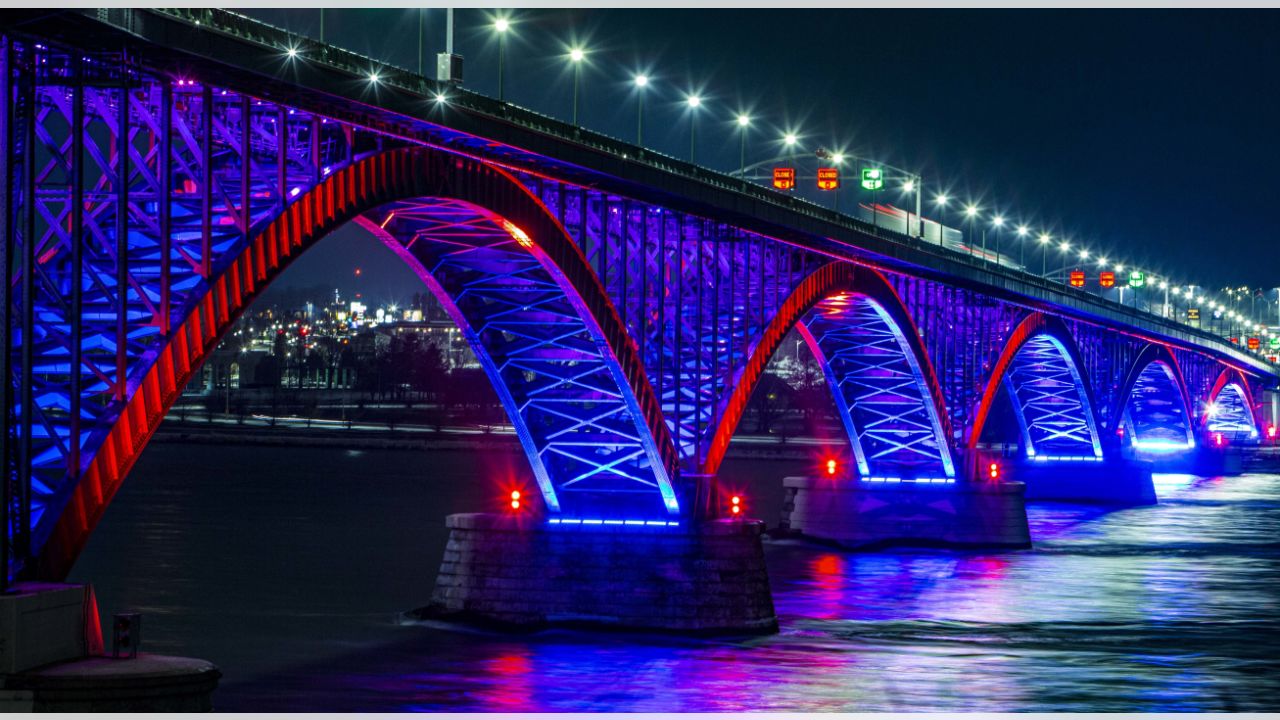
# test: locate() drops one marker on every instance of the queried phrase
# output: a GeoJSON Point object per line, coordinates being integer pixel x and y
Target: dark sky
{"type": "Point", "coordinates": [1147, 135]}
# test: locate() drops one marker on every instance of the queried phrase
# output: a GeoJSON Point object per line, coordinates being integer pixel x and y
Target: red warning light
{"type": "Point", "coordinates": [1107, 279]}
{"type": "Point", "coordinates": [994, 470]}
{"type": "Point", "coordinates": [737, 505]}
{"type": "Point", "coordinates": [831, 467]}
{"type": "Point", "coordinates": [515, 499]}
{"type": "Point", "coordinates": [784, 178]}
{"type": "Point", "coordinates": [1271, 432]}
{"type": "Point", "coordinates": [1219, 440]}
{"type": "Point", "coordinates": [1077, 278]}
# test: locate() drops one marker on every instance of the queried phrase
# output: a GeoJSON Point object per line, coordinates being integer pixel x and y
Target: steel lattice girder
{"type": "Point", "coordinates": [140, 192]}
{"type": "Point", "coordinates": [586, 440]}
{"type": "Point", "coordinates": [1230, 413]}
{"type": "Point", "coordinates": [1156, 416]}
{"type": "Point", "coordinates": [880, 391]}
{"type": "Point", "coordinates": [695, 295]}
{"type": "Point", "coordinates": [1050, 401]}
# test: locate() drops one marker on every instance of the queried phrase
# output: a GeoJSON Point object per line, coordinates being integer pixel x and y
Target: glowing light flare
{"type": "Point", "coordinates": [515, 499]}
{"type": "Point", "coordinates": [831, 467]}
{"type": "Point", "coordinates": [744, 120]}
{"type": "Point", "coordinates": [994, 471]}
{"type": "Point", "coordinates": [735, 504]}
{"type": "Point", "coordinates": [520, 236]}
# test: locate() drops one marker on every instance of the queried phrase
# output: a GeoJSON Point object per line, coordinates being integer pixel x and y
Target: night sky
{"type": "Point", "coordinates": [1147, 136]}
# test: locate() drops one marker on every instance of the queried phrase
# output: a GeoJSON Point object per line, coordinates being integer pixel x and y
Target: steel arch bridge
{"type": "Point", "coordinates": [149, 197]}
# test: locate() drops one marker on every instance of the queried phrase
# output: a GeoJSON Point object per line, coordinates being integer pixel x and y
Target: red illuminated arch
{"type": "Point", "coordinates": [832, 277]}
{"type": "Point", "coordinates": [1033, 325]}
{"type": "Point", "coordinates": [342, 196]}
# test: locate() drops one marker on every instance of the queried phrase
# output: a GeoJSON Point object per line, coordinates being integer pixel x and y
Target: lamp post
{"type": "Point", "coordinates": [997, 222]}
{"type": "Point", "coordinates": [1065, 247]}
{"type": "Point", "coordinates": [744, 122]}
{"type": "Point", "coordinates": [837, 159]}
{"type": "Point", "coordinates": [642, 82]}
{"type": "Point", "coordinates": [694, 103]}
{"type": "Point", "coordinates": [576, 55]}
{"type": "Point", "coordinates": [971, 212]}
{"type": "Point", "coordinates": [1044, 254]}
{"type": "Point", "coordinates": [941, 202]}
{"type": "Point", "coordinates": [1022, 246]}
{"type": "Point", "coordinates": [501, 26]}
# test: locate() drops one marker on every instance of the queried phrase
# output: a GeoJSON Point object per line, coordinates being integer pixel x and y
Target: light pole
{"type": "Point", "coordinates": [1044, 254]}
{"type": "Point", "coordinates": [912, 187]}
{"type": "Point", "coordinates": [941, 202]}
{"type": "Point", "coordinates": [744, 122]}
{"type": "Point", "coordinates": [501, 26]}
{"type": "Point", "coordinates": [1065, 247]}
{"type": "Point", "coordinates": [837, 159]}
{"type": "Point", "coordinates": [971, 212]}
{"type": "Point", "coordinates": [642, 82]}
{"type": "Point", "coordinates": [1022, 247]}
{"type": "Point", "coordinates": [997, 222]}
{"type": "Point", "coordinates": [576, 55]}
{"type": "Point", "coordinates": [694, 103]}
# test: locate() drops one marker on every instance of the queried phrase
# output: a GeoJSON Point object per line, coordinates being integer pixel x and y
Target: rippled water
{"type": "Point", "coordinates": [287, 567]}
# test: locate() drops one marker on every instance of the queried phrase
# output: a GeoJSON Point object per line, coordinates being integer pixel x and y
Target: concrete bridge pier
{"type": "Point", "coordinates": [868, 513]}
{"type": "Point", "coordinates": [1109, 481]}
{"type": "Point", "coordinates": [526, 573]}
{"type": "Point", "coordinates": [1204, 460]}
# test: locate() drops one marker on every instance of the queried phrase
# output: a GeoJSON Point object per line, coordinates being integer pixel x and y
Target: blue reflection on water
{"type": "Point", "coordinates": [1168, 607]}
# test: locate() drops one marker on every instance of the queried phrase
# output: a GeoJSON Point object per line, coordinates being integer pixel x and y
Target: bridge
{"type": "Point", "coordinates": [161, 168]}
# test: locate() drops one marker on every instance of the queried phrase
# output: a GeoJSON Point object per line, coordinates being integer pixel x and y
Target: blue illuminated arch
{"type": "Point", "coordinates": [1041, 371]}
{"type": "Point", "coordinates": [1154, 409]}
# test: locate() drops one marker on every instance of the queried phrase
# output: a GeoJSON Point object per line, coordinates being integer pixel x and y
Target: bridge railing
{"type": "Point", "coordinates": [390, 75]}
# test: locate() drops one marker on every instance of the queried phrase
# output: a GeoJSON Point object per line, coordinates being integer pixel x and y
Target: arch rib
{"type": "Point", "coordinates": [342, 196]}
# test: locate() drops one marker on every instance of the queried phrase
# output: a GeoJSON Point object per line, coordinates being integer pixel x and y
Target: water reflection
{"type": "Point", "coordinates": [290, 580]}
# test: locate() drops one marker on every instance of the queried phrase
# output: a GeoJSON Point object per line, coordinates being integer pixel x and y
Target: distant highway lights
{"type": "Point", "coordinates": [501, 26]}
{"type": "Point", "coordinates": [694, 102]}
{"type": "Point", "coordinates": [576, 56]}
{"type": "Point", "coordinates": [641, 82]}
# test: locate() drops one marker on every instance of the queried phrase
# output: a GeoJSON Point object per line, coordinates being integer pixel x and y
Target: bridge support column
{"type": "Point", "coordinates": [860, 514]}
{"type": "Point", "coordinates": [1114, 481]}
{"type": "Point", "coordinates": [521, 573]}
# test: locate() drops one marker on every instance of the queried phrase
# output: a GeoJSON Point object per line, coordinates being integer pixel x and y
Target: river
{"type": "Point", "coordinates": [288, 568]}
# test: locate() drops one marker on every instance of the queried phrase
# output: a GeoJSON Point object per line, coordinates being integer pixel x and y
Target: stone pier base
{"type": "Point", "coordinates": [1111, 482]}
{"type": "Point", "coordinates": [858, 514]}
{"type": "Point", "coordinates": [521, 573]}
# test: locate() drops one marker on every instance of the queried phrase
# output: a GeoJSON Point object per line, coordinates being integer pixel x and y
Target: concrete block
{"type": "Point", "coordinates": [707, 578]}
{"type": "Point", "coordinates": [855, 514]}
{"type": "Point", "coordinates": [41, 623]}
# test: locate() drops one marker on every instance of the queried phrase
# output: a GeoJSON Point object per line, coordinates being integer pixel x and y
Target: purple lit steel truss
{"type": "Point", "coordinates": [144, 209]}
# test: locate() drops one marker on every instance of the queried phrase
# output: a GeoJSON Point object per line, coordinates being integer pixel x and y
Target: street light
{"type": "Point", "coordinates": [694, 103]}
{"type": "Point", "coordinates": [1045, 239]}
{"type": "Point", "coordinates": [642, 82]}
{"type": "Point", "coordinates": [744, 122]}
{"type": "Point", "coordinates": [940, 200]}
{"type": "Point", "coordinates": [1022, 246]}
{"type": "Point", "coordinates": [501, 26]}
{"type": "Point", "coordinates": [970, 212]}
{"type": "Point", "coordinates": [576, 56]}
{"type": "Point", "coordinates": [997, 222]}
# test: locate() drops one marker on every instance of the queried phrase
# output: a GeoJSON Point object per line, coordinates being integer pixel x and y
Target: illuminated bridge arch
{"type": "Point", "coordinates": [1041, 370]}
{"type": "Point", "coordinates": [884, 387]}
{"type": "Point", "coordinates": [520, 290]}
{"type": "Point", "coordinates": [1230, 409]}
{"type": "Point", "coordinates": [1154, 409]}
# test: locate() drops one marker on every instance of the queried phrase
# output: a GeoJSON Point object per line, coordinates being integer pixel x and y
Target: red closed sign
{"type": "Point", "coordinates": [784, 178]}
